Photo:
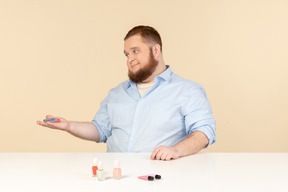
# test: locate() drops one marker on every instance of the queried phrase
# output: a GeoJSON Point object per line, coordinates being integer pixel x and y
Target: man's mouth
{"type": "Point", "coordinates": [134, 65]}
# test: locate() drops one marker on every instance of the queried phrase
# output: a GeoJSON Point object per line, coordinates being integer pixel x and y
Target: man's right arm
{"type": "Point", "coordinates": [83, 130]}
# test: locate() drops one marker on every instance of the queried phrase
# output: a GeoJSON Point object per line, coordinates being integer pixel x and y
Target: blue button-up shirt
{"type": "Point", "coordinates": [171, 110]}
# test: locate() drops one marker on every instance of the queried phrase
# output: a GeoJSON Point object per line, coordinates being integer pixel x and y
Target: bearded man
{"type": "Point", "coordinates": [153, 111]}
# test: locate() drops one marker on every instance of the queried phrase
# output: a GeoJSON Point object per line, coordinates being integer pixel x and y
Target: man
{"type": "Point", "coordinates": [154, 111]}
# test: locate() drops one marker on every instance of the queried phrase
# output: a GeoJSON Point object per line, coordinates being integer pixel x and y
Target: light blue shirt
{"type": "Point", "coordinates": [171, 110]}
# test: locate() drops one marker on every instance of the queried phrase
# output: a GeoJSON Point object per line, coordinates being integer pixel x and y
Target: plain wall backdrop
{"type": "Point", "coordinates": [61, 57]}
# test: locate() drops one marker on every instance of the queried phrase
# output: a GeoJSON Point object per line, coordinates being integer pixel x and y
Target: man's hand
{"type": "Point", "coordinates": [165, 153]}
{"type": "Point", "coordinates": [63, 125]}
{"type": "Point", "coordinates": [83, 130]}
{"type": "Point", "coordinates": [191, 145]}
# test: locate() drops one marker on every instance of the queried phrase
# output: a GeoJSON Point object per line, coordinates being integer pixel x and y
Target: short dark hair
{"type": "Point", "coordinates": [149, 34]}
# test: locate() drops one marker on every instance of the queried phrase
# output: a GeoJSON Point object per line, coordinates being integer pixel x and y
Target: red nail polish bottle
{"type": "Point", "coordinates": [94, 167]}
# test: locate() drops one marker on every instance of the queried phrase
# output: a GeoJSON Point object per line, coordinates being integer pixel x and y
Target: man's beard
{"type": "Point", "coordinates": [143, 73]}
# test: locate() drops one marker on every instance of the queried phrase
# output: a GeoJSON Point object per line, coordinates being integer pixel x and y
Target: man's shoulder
{"type": "Point", "coordinates": [120, 87]}
{"type": "Point", "coordinates": [183, 82]}
{"type": "Point", "coordinates": [186, 88]}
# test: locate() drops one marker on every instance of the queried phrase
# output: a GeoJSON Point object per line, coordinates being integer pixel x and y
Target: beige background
{"type": "Point", "coordinates": [61, 57]}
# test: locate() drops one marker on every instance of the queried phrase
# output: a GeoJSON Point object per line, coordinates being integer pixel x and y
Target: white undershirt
{"type": "Point", "coordinates": [143, 88]}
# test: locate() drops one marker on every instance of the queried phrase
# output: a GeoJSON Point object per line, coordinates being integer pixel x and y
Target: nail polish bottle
{"type": "Point", "coordinates": [94, 167]}
{"type": "Point", "coordinates": [100, 172]}
{"type": "Point", "coordinates": [52, 120]}
{"type": "Point", "coordinates": [117, 170]}
{"type": "Point", "coordinates": [146, 177]}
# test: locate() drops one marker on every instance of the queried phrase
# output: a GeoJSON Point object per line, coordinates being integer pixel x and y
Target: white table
{"type": "Point", "coordinates": [201, 172]}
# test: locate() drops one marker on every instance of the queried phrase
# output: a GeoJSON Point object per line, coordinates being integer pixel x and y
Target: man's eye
{"type": "Point", "coordinates": [135, 51]}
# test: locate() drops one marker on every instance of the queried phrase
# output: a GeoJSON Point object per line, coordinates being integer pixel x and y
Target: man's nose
{"type": "Point", "coordinates": [130, 59]}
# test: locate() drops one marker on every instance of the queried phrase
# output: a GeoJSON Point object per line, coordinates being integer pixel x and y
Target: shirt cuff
{"type": "Point", "coordinates": [207, 130]}
{"type": "Point", "coordinates": [101, 133]}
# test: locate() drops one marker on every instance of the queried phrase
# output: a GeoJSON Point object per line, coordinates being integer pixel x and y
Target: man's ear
{"type": "Point", "coordinates": [156, 50]}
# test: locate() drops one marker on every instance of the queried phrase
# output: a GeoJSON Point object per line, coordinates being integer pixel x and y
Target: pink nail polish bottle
{"type": "Point", "coordinates": [117, 170]}
{"type": "Point", "coordinates": [146, 177]}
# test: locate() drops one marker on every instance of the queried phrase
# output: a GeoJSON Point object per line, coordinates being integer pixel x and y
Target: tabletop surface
{"type": "Point", "coordinates": [200, 172]}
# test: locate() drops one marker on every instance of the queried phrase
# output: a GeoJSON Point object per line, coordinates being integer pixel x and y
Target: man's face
{"type": "Point", "coordinates": [140, 59]}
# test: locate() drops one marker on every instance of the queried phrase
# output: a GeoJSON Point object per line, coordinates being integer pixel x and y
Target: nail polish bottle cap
{"type": "Point", "coordinates": [157, 176]}
{"type": "Point", "coordinates": [100, 165]}
{"type": "Point", "coordinates": [117, 164]}
{"type": "Point", "coordinates": [150, 178]}
{"type": "Point", "coordinates": [95, 161]}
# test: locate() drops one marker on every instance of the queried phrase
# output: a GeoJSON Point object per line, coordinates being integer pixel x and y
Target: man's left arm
{"type": "Point", "coordinates": [195, 142]}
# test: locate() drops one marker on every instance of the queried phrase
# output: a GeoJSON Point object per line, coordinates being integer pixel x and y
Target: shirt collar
{"type": "Point", "coordinates": [166, 75]}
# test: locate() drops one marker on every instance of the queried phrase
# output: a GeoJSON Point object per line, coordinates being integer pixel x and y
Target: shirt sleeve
{"type": "Point", "coordinates": [102, 121]}
{"type": "Point", "coordinates": [198, 114]}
